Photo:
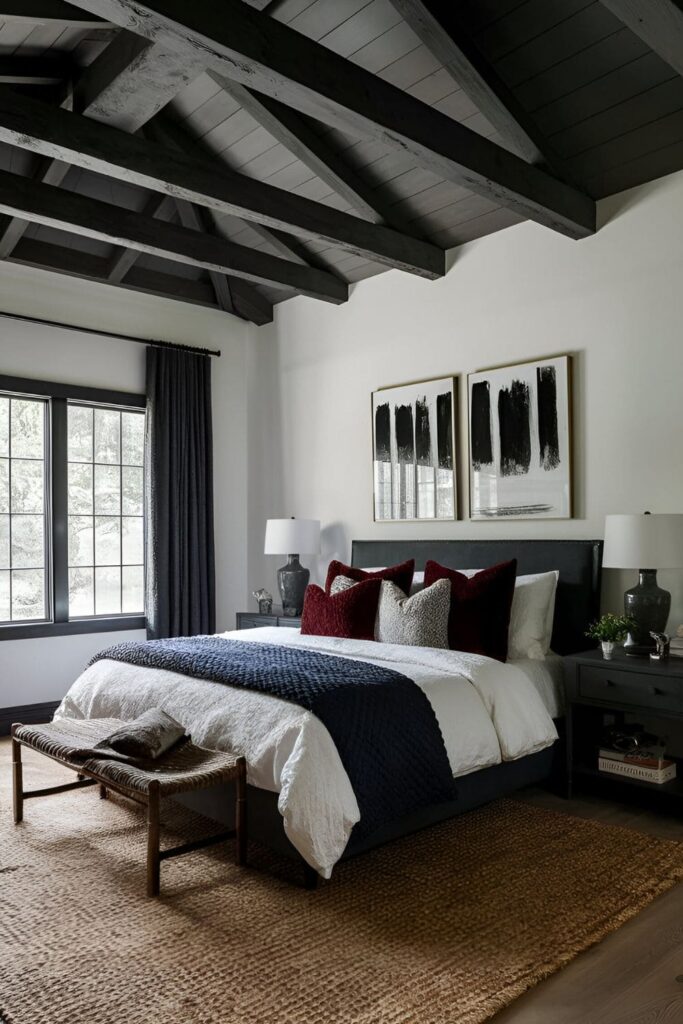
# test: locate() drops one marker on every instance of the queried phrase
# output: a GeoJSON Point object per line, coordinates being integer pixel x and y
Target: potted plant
{"type": "Point", "coordinates": [610, 629]}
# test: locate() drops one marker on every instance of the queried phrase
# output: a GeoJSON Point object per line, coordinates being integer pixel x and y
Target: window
{"type": "Point", "coordinates": [105, 487]}
{"type": "Point", "coordinates": [71, 509]}
{"type": "Point", "coordinates": [23, 519]}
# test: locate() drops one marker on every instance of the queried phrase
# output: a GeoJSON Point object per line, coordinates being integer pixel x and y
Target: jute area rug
{"type": "Point", "coordinates": [445, 927]}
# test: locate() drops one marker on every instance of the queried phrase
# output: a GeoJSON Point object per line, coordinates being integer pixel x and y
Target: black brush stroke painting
{"type": "Point", "coordinates": [515, 429]}
{"type": "Point", "coordinates": [423, 438]}
{"type": "Point", "coordinates": [480, 425]}
{"type": "Point", "coordinates": [405, 437]}
{"type": "Point", "coordinates": [383, 432]}
{"type": "Point", "coordinates": [444, 430]}
{"type": "Point", "coordinates": [548, 436]}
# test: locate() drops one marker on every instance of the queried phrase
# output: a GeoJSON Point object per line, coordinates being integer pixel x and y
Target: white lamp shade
{"type": "Point", "coordinates": [643, 542]}
{"type": "Point", "coordinates": [292, 537]}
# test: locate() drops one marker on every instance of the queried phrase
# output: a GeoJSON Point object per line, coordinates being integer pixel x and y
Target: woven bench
{"type": "Point", "coordinates": [183, 768]}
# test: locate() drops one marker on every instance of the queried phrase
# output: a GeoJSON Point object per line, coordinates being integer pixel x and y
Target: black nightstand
{"type": "Point", "coordinates": [252, 620]}
{"type": "Point", "coordinates": [627, 689]}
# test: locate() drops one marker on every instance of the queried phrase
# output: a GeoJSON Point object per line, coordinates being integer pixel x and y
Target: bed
{"type": "Point", "coordinates": [300, 799]}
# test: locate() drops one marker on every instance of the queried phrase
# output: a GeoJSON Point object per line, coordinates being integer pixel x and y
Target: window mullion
{"type": "Point", "coordinates": [60, 508]}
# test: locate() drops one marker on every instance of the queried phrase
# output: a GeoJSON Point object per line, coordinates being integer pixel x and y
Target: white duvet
{"type": "Point", "coordinates": [488, 712]}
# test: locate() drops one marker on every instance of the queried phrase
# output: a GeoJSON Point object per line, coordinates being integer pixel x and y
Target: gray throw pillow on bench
{"type": "Point", "coordinates": [148, 737]}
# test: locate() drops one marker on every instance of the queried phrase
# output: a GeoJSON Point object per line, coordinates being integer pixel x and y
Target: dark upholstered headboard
{"type": "Point", "coordinates": [579, 563]}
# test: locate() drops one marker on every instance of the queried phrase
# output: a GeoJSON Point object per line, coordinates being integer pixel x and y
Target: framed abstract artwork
{"type": "Point", "coordinates": [520, 441]}
{"type": "Point", "coordinates": [414, 451]}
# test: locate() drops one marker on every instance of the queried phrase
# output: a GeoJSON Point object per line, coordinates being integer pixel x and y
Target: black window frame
{"type": "Point", "coordinates": [57, 569]}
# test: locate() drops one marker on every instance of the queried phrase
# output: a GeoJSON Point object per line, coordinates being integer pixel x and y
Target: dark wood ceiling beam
{"type": "Point", "coordinates": [123, 259]}
{"type": "Point", "coordinates": [191, 218]}
{"type": "Point", "coordinates": [440, 28]}
{"type": "Point", "coordinates": [47, 12]}
{"type": "Point", "coordinates": [169, 132]}
{"type": "Point", "coordinates": [297, 134]}
{"type": "Point", "coordinates": [69, 211]}
{"type": "Point", "coordinates": [659, 23]}
{"type": "Point", "coordinates": [132, 80]}
{"type": "Point", "coordinates": [127, 85]}
{"type": "Point", "coordinates": [271, 58]}
{"type": "Point", "coordinates": [66, 136]}
{"type": "Point", "coordinates": [232, 294]}
{"type": "Point", "coordinates": [34, 70]}
{"type": "Point", "coordinates": [33, 252]}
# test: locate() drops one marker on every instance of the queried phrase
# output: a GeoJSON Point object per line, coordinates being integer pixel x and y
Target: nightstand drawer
{"type": "Point", "coordinates": [641, 689]}
{"type": "Point", "coordinates": [246, 622]}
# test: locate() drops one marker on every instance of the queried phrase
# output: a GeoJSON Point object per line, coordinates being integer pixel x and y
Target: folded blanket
{"type": "Point", "coordinates": [147, 737]}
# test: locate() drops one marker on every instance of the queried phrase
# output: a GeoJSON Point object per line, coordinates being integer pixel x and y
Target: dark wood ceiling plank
{"type": "Point", "coordinates": [659, 23]}
{"type": "Point", "coordinates": [44, 12]}
{"type": "Point", "coordinates": [442, 30]}
{"type": "Point", "coordinates": [298, 135]}
{"type": "Point", "coordinates": [74, 263]}
{"type": "Point", "coordinates": [259, 52]}
{"type": "Point", "coordinates": [61, 134]}
{"type": "Point", "coordinates": [69, 211]}
{"type": "Point", "coordinates": [132, 80]}
{"type": "Point", "coordinates": [43, 70]}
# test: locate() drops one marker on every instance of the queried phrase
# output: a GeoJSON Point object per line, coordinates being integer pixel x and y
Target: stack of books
{"type": "Point", "coordinates": [676, 647]}
{"type": "Point", "coordinates": [647, 764]}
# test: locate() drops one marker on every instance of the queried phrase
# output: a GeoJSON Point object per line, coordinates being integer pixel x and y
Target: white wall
{"type": "Point", "coordinates": [614, 300]}
{"type": "Point", "coordinates": [41, 670]}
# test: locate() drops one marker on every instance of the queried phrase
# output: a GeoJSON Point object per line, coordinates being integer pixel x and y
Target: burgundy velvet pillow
{"type": "Point", "coordinates": [401, 575]}
{"type": "Point", "coordinates": [480, 607]}
{"type": "Point", "coordinates": [351, 613]}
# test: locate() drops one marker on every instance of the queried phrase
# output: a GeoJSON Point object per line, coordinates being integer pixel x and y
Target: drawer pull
{"type": "Point", "coordinates": [608, 682]}
{"type": "Point", "coordinates": [656, 692]}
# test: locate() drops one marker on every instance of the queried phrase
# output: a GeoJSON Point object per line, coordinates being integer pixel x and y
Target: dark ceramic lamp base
{"type": "Point", "coordinates": [649, 606]}
{"type": "Point", "coordinates": [292, 580]}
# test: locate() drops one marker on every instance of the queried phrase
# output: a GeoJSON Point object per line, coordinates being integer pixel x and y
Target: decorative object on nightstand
{"type": "Point", "coordinates": [265, 601]}
{"type": "Point", "coordinates": [662, 645]}
{"type": "Point", "coordinates": [284, 536]}
{"type": "Point", "coordinates": [634, 541]}
{"type": "Point", "coordinates": [609, 629]}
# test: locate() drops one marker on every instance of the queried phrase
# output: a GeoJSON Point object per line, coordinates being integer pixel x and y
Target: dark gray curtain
{"type": "Point", "coordinates": [179, 494]}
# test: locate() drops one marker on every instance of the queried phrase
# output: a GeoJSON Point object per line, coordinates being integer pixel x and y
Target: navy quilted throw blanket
{"type": "Point", "coordinates": [383, 725]}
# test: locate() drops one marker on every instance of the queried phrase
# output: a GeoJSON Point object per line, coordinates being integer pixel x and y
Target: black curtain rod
{"type": "Point", "coordinates": [110, 334]}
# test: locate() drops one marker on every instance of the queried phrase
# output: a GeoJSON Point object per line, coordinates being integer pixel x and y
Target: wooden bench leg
{"type": "Point", "coordinates": [17, 778]}
{"type": "Point", "coordinates": [153, 860]}
{"type": "Point", "coordinates": [241, 813]}
{"type": "Point", "coordinates": [103, 792]}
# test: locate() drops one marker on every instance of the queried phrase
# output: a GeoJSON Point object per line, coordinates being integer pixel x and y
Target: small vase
{"type": "Point", "coordinates": [607, 648]}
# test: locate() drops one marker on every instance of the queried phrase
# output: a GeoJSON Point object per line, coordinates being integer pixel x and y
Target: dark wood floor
{"type": "Point", "coordinates": [631, 976]}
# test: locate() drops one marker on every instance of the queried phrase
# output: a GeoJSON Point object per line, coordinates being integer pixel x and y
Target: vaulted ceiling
{"type": "Point", "coordinates": [235, 154]}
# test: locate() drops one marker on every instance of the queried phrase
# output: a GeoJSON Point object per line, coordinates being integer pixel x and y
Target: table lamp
{"type": "Point", "coordinates": [284, 536]}
{"type": "Point", "coordinates": [634, 541]}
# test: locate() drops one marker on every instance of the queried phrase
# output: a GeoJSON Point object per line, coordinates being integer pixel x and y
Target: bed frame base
{"type": "Point", "coordinates": [265, 820]}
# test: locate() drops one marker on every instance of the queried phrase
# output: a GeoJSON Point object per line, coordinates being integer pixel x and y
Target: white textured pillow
{"type": "Point", "coordinates": [417, 621]}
